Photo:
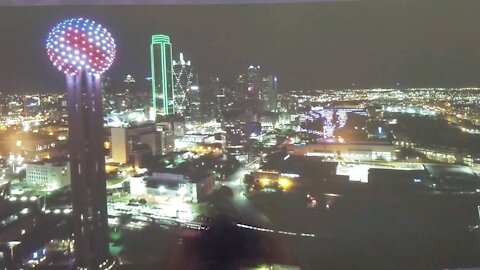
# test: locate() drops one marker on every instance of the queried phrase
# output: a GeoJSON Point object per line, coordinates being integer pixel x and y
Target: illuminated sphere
{"type": "Point", "coordinates": [79, 44]}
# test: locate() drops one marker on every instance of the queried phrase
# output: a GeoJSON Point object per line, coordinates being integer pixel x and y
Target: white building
{"type": "Point", "coordinates": [346, 151]}
{"type": "Point", "coordinates": [167, 139]}
{"type": "Point", "coordinates": [49, 174]}
{"type": "Point", "coordinates": [126, 139]}
{"type": "Point", "coordinates": [173, 184]}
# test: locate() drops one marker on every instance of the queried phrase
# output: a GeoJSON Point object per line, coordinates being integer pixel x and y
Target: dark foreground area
{"type": "Point", "coordinates": [362, 230]}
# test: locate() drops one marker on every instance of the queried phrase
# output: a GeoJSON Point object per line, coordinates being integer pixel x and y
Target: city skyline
{"type": "Point", "coordinates": [170, 143]}
{"type": "Point", "coordinates": [343, 49]}
{"type": "Point", "coordinates": [252, 178]}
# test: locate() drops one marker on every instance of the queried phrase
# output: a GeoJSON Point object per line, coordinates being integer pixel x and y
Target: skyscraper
{"type": "Point", "coordinates": [237, 95]}
{"type": "Point", "coordinates": [130, 96]}
{"type": "Point", "coordinates": [194, 103]}
{"type": "Point", "coordinates": [254, 82]}
{"type": "Point", "coordinates": [72, 50]}
{"type": "Point", "coordinates": [268, 94]}
{"type": "Point", "coordinates": [163, 100]}
{"type": "Point", "coordinates": [129, 83]}
{"type": "Point", "coordinates": [219, 98]}
{"type": "Point", "coordinates": [183, 81]}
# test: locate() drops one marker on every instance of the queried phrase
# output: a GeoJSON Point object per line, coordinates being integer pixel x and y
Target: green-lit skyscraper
{"type": "Point", "coordinates": [162, 76]}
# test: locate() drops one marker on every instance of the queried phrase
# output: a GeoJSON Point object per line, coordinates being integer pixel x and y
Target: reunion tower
{"type": "Point", "coordinates": [83, 50]}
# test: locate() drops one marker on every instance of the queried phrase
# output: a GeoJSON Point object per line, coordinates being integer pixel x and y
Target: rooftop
{"type": "Point", "coordinates": [54, 161]}
{"type": "Point", "coordinates": [180, 174]}
{"type": "Point", "coordinates": [299, 164]}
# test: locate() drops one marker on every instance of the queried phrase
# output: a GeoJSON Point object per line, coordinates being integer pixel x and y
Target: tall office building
{"type": "Point", "coordinates": [109, 94]}
{"type": "Point", "coordinates": [260, 92]}
{"type": "Point", "coordinates": [219, 96]}
{"type": "Point", "coordinates": [268, 94]}
{"type": "Point", "coordinates": [128, 97]}
{"type": "Point", "coordinates": [194, 103]}
{"type": "Point", "coordinates": [183, 81]}
{"type": "Point", "coordinates": [238, 93]}
{"type": "Point", "coordinates": [129, 84]}
{"type": "Point", "coordinates": [163, 100]}
{"type": "Point", "coordinates": [134, 97]}
{"type": "Point", "coordinates": [254, 84]}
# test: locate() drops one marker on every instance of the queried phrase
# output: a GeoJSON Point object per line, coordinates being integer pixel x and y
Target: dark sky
{"type": "Point", "coordinates": [319, 45]}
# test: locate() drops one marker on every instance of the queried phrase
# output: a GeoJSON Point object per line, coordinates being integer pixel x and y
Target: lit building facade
{"type": "Point", "coordinates": [254, 86]}
{"type": "Point", "coordinates": [238, 126]}
{"type": "Point", "coordinates": [133, 98]}
{"type": "Point", "coordinates": [126, 141]}
{"type": "Point", "coordinates": [346, 151]}
{"type": "Point", "coordinates": [194, 102]}
{"type": "Point", "coordinates": [167, 139]}
{"type": "Point", "coordinates": [185, 185]}
{"type": "Point", "coordinates": [183, 82]}
{"type": "Point", "coordinates": [220, 98]}
{"type": "Point", "coordinates": [253, 91]}
{"type": "Point", "coordinates": [163, 98]}
{"type": "Point", "coordinates": [174, 123]}
{"type": "Point", "coordinates": [48, 174]}
{"type": "Point", "coordinates": [236, 95]}
{"type": "Point", "coordinates": [268, 94]}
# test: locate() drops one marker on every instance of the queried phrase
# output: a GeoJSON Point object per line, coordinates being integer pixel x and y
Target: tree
{"type": "Point", "coordinates": [225, 192]}
{"type": "Point", "coordinates": [124, 219]}
{"type": "Point", "coordinates": [248, 179]}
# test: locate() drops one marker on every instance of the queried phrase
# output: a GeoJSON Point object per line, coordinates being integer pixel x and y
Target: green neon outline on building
{"type": "Point", "coordinates": [167, 88]}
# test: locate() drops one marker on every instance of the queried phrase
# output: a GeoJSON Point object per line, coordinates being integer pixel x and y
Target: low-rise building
{"type": "Point", "coordinates": [395, 178]}
{"type": "Point", "coordinates": [358, 151]}
{"type": "Point", "coordinates": [453, 178]}
{"type": "Point", "coordinates": [294, 171]}
{"type": "Point", "coordinates": [187, 185]}
{"type": "Point", "coordinates": [49, 174]}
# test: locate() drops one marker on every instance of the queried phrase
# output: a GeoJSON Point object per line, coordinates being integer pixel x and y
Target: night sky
{"type": "Point", "coordinates": [309, 46]}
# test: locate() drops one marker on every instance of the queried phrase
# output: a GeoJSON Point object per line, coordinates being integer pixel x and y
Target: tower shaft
{"type": "Point", "coordinates": [87, 163]}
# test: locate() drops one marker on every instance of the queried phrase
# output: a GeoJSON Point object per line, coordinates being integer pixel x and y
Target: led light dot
{"type": "Point", "coordinates": [95, 46]}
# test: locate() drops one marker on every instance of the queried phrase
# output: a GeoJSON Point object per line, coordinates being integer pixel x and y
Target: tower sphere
{"type": "Point", "coordinates": [79, 44]}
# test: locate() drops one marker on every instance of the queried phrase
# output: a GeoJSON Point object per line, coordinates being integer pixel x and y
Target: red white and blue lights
{"type": "Point", "coordinates": [79, 44]}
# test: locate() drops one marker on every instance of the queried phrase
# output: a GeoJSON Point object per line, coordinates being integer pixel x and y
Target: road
{"type": "Point", "coordinates": [245, 211]}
